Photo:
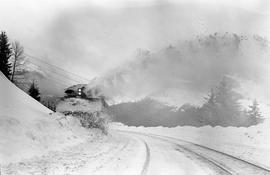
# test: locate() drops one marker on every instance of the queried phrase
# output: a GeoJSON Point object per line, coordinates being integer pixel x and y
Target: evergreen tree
{"type": "Point", "coordinates": [5, 54]}
{"type": "Point", "coordinates": [34, 91]}
{"type": "Point", "coordinates": [254, 112]}
{"type": "Point", "coordinates": [209, 109]}
{"type": "Point", "coordinates": [227, 101]}
{"type": "Point", "coordinates": [221, 106]}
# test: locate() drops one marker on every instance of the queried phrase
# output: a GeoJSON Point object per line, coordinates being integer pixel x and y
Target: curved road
{"type": "Point", "coordinates": [132, 153]}
{"type": "Point", "coordinates": [175, 156]}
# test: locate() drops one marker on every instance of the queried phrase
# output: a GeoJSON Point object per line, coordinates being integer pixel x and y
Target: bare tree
{"type": "Point", "coordinates": [18, 56]}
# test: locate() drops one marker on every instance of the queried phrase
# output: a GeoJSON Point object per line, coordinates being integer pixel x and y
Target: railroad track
{"type": "Point", "coordinates": [147, 159]}
{"type": "Point", "coordinates": [226, 164]}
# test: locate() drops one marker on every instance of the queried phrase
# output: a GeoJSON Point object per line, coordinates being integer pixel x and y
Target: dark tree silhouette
{"type": "Point", "coordinates": [228, 102]}
{"type": "Point", "coordinates": [221, 106]}
{"type": "Point", "coordinates": [18, 57]}
{"type": "Point", "coordinates": [5, 54]}
{"type": "Point", "coordinates": [209, 109]}
{"type": "Point", "coordinates": [254, 113]}
{"type": "Point", "coordinates": [34, 91]}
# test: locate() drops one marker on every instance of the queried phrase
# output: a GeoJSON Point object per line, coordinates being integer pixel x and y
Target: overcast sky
{"type": "Point", "coordinates": [91, 37]}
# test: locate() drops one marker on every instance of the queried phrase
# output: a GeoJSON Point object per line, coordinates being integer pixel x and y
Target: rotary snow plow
{"type": "Point", "coordinates": [86, 105]}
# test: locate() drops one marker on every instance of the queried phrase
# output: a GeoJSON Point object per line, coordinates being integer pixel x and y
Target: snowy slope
{"type": "Point", "coordinates": [27, 128]}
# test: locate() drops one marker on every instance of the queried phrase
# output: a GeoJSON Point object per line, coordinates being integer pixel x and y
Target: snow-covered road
{"type": "Point", "coordinates": [202, 160]}
{"type": "Point", "coordinates": [135, 153]}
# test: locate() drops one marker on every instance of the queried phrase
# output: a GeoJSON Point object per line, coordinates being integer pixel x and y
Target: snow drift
{"type": "Point", "coordinates": [27, 128]}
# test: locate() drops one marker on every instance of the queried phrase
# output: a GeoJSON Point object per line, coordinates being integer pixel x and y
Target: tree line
{"type": "Point", "coordinates": [11, 59]}
{"type": "Point", "coordinates": [222, 107]}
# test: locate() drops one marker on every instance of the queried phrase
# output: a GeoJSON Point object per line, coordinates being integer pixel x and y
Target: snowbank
{"type": "Point", "coordinates": [27, 129]}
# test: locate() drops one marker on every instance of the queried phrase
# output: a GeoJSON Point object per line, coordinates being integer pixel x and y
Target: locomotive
{"type": "Point", "coordinates": [85, 104]}
{"type": "Point", "coordinates": [80, 98]}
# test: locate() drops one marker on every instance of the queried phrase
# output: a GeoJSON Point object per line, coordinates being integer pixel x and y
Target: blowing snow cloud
{"type": "Point", "coordinates": [187, 70]}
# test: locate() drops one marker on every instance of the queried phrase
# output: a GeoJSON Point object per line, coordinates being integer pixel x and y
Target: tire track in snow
{"type": "Point", "coordinates": [147, 153]}
{"type": "Point", "coordinates": [247, 165]}
{"type": "Point", "coordinates": [262, 169]}
{"type": "Point", "coordinates": [222, 170]}
{"type": "Point", "coordinates": [147, 159]}
{"type": "Point", "coordinates": [209, 161]}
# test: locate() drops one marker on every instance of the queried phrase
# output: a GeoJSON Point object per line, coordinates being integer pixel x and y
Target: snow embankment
{"type": "Point", "coordinates": [27, 129]}
{"type": "Point", "coordinates": [251, 143]}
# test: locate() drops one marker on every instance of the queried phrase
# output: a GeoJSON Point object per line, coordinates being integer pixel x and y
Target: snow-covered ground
{"type": "Point", "coordinates": [93, 156]}
{"type": "Point", "coordinates": [28, 129]}
{"type": "Point", "coordinates": [35, 141]}
{"type": "Point", "coordinates": [251, 144]}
